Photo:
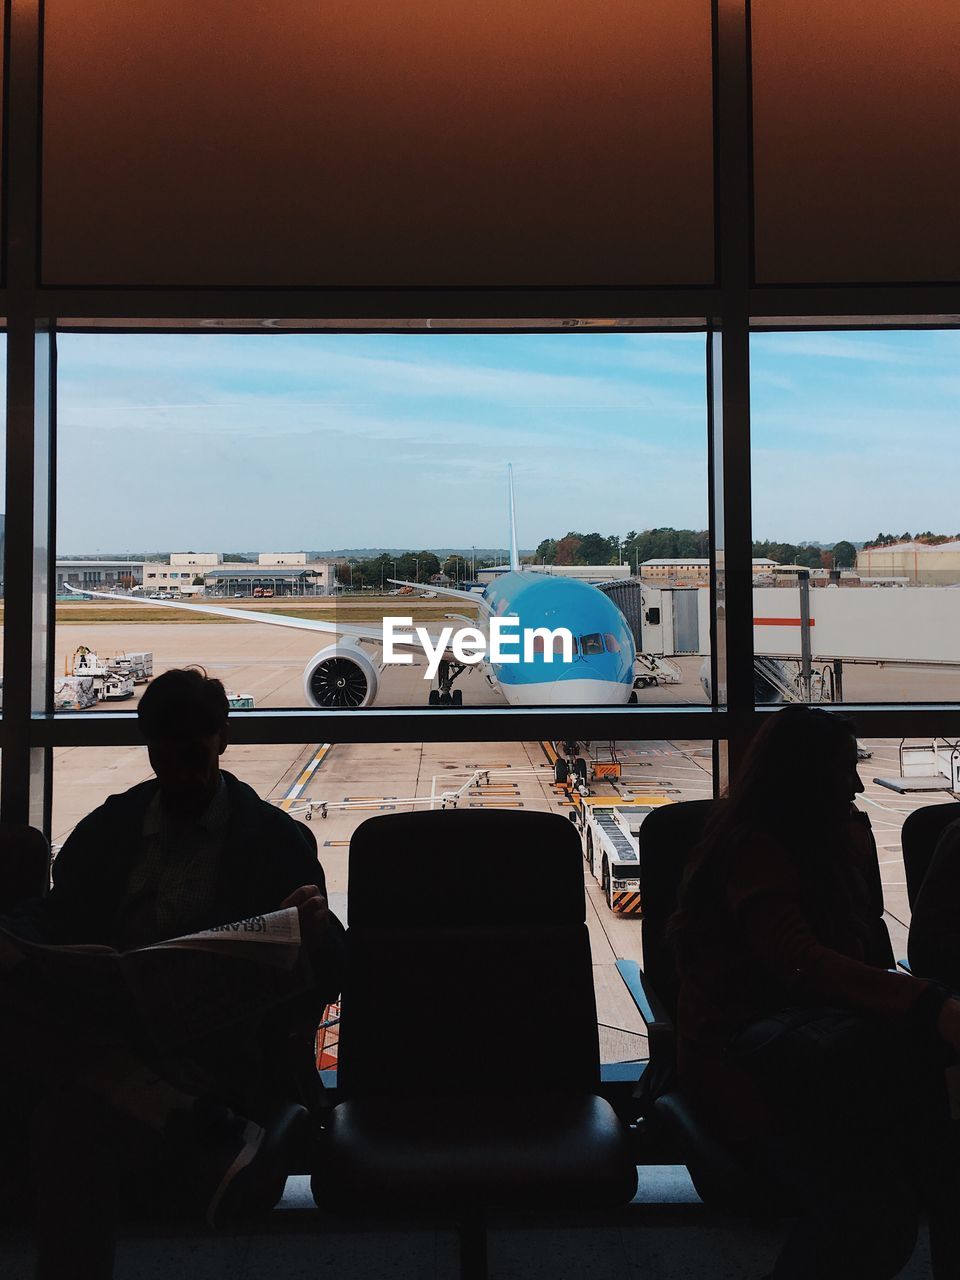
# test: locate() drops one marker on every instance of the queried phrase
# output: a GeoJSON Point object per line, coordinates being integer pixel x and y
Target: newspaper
{"type": "Point", "coordinates": [183, 988]}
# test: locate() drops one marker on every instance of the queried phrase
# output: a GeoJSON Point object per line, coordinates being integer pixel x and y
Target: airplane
{"type": "Point", "coordinates": [600, 673]}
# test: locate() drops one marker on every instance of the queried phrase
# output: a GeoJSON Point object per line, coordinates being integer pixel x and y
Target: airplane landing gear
{"type": "Point", "coordinates": [446, 695]}
{"type": "Point", "coordinates": [570, 767]}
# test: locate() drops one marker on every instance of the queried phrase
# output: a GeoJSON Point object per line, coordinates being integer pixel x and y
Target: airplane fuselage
{"type": "Point", "coordinates": [601, 671]}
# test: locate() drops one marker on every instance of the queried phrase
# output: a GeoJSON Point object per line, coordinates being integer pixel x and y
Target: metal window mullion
{"type": "Point", "coordinates": [104, 729]}
{"type": "Point", "coordinates": [492, 309]}
{"type": "Point", "coordinates": [730, 367]}
{"type": "Point", "coordinates": [23, 789]}
{"type": "Point", "coordinates": [72, 729]}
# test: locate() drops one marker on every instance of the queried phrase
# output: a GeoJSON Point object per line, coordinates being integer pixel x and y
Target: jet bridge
{"type": "Point", "coordinates": [889, 625]}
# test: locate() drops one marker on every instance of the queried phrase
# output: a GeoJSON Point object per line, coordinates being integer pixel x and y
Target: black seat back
{"type": "Point", "coordinates": [468, 960]}
{"type": "Point", "coordinates": [921, 832]}
{"type": "Point", "coordinates": [667, 838]}
{"type": "Point", "coordinates": [24, 864]}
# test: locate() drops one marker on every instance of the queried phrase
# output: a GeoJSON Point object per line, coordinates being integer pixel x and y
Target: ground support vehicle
{"type": "Point", "coordinates": [73, 693]}
{"type": "Point", "coordinates": [111, 681]}
{"type": "Point", "coordinates": [610, 830]}
{"type": "Point", "coordinates": [139, 666]}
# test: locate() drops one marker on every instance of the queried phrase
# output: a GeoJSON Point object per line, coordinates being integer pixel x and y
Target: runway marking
{"type": "Point", "coordinates": [296, 790]}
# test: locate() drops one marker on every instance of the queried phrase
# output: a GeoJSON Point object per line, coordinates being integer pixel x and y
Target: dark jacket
{"type": "Point", "coordinates": [266, 856]}
{"type": "Point", "coordinates": [771, 947]}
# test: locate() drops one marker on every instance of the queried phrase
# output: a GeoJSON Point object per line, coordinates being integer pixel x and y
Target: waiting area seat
{"type": "Point", "coordinates": [667, 838]}
{"type": "Point", "coordinates": [469, 1056]}
{"type": "Point", "coordinates": [921, 831]}
{"type": "Point", "coordinates": [24, 864]}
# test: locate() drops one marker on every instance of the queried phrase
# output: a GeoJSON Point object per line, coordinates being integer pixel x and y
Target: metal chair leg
{"type": "Point", "coordinates": [473, 1247]}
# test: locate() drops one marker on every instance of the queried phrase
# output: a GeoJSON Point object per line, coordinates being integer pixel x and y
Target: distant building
{"type": "Point", "coordinates": [917, 563]}
{"type": "Point", "coordinates": [584, 572]}
{"type": "Point", "coordinates": [692, 569]}
{"type": "Point", "coordinates": [98, 575]}
{"type": "Point", "coordinates": [282, 558]}
{"type": "Point", "coordinates": [285, 573]}
{"type": "Point", "coordinates": [198, 559]}
{"type": "Point", "coordinates": [177, 577]}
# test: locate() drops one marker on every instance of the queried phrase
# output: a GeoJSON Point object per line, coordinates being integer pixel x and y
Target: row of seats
{"type": "Point", "coordinates": [668, 836]}
{"type": "Point", "coordinates": [469, 1067]}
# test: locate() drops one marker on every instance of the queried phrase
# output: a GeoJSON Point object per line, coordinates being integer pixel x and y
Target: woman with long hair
{"type": "Point", "coordinates": [800, 1044]}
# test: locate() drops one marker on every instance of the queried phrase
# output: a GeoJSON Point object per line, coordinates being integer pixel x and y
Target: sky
{"type": "Point", "coordinates": [855, 433]}
{"type": "Point", "coordinates": [314, 442]}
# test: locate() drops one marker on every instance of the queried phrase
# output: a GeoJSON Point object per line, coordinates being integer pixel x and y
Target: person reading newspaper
{"type": "Point", "coordinates": [148, 1001]}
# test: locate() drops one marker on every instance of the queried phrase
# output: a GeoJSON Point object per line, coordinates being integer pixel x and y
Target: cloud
{"type": "Point", "coordinates": [901, 348]}
{"type": "Point", "coordinates": [333, 440]}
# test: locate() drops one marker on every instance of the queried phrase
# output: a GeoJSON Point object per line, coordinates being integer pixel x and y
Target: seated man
{"type": "Point", "coordinates": [189, 850]}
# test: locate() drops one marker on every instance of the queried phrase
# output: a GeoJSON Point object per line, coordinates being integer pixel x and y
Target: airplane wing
{"type": "Point", "coordinates": [453, 592]}
{"type": "Point", "coordinates": [373, 635]}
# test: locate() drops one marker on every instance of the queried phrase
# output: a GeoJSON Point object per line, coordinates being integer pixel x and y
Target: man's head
{"type": "Point", "coordinates": [183, 715]}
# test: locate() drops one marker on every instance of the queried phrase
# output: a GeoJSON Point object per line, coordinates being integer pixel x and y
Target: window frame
{"type": "Point", "coordinates": [726, 311]}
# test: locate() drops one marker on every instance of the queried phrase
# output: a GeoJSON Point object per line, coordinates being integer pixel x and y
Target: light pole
{"type": "Point", "coordinates": [416, 576]}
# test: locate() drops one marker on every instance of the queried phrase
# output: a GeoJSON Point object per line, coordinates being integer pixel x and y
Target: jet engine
{"type": "Point", "coordinates": [341, 677]}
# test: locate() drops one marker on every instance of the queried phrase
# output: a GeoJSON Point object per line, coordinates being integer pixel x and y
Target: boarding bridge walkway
{"type": "Point", "coordinates": [775, 674]}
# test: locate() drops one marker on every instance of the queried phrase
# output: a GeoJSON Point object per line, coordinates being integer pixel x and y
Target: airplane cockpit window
{"type": "Point", "coordinates": [590, 645]}
{"type": "Point", "coordinates": [612, 643]}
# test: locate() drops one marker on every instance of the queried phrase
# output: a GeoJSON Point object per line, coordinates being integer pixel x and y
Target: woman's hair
{"type": "Point", "coordinates": [786, 768]}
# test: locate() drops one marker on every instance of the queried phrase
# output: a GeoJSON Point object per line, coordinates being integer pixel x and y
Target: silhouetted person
{"type": "Point", "coordinates": [934, 943]}
{"type": "Point", "coordinates": [799, 1045]}
{"type": "Point", "coordinates": [190, 849]}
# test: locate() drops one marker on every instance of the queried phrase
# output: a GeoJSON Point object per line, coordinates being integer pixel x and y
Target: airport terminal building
{"type": "Point", "coordinates": [768, 180]}
{"type": "Point", "coordinates": [190, 573]}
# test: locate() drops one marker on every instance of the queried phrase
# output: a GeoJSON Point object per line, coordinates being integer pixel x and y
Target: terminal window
{"type": "Point", "coordinates": [855, 478]}
{"type": "Point", "coordinates": [318, 487]}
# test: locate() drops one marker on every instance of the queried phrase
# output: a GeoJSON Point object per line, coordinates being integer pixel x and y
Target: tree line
{"type": "Point", "coordinates": [675, 544]}
{"type": "Point", "coordinates": [931, 539]}
{"type": "Point", "coordinates": [576, 548]}
{"type": "Point", "coordinates": [410, 566]}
